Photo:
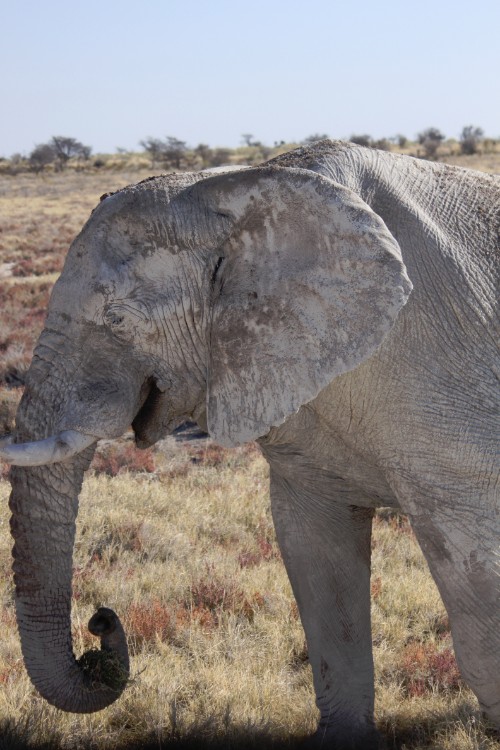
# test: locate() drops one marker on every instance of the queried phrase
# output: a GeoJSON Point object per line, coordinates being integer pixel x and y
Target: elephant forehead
{"type": "Point", "coordinates": [86, 289]}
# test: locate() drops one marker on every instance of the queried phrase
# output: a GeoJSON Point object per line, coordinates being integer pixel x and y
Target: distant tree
{"type": "Point", "coordinates": [399, 139]}
{"type": "Point", "coordinates": [67, 148]}
{"type": "Point", "coordinates": [314, 138]}
{"type": "Point", "coordinates": [366, 140]}
{"type": "Point", "coordinates": [154, 147]}
{"type": "Point", "coordinates": [204, 153]}
{"type": "Point", "coordinates": [430, 139]}
{"type": "Point", "coordinates": [174, 152]}
{"type": "Point", "coordinates": [17, 163]}
{"type": "Point", "coordinates": [361, 140]}
{"type": "Point", "coordinates": [247, 139]}
{"type": "Point", "coordinates": [382, 144]}
{"type": "Point", "coordinates": [41, 156]}
{"type": "Point", "coordinates": [489, 145]}
{"type": "Point", "coordinates": [220, 157]}
{"type": "Point", "coordinates": [470, 139]}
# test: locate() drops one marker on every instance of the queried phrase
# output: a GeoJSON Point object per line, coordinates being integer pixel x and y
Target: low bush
{"type": "Point", "coordinates": [117, 457]}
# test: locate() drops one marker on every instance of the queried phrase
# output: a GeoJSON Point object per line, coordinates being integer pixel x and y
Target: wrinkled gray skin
{"type": "Point", "coordinates": [276, 304]}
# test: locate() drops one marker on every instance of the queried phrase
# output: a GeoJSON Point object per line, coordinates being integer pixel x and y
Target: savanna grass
{"type": "Point", "coordinates": [187, 556]}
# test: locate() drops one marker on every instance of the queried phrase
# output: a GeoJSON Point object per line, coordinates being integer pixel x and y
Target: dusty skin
{"type": "Point", "coordinates": [337, 305]}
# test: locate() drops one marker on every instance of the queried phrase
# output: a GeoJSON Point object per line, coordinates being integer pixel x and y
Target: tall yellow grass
{"type": "Point", "coordinates": [187, 556]}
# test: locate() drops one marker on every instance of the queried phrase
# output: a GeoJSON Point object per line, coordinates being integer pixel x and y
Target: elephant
{"type": "Point", "coordinates": [339, 306]}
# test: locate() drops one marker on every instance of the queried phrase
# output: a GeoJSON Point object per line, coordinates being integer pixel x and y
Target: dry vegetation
{"type": "Point", "coordinates": [183, 548]}
{"type": "Point", "coordinates": [179, 540]}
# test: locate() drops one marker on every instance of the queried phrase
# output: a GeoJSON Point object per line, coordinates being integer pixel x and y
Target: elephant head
{"type": "Point", "coordinates": [231, 300]}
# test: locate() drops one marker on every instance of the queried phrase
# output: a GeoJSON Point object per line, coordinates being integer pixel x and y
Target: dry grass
{"type": "Point", "coordinates": [41, 214]}
{"type": "Point", "coordinates": [188, 558]}
{"type": "Point", "coordinates": [487, 162]}
{"type": "Point", "coordinates": [487, 159]}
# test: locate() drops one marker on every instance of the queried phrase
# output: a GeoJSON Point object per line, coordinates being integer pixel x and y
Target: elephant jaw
{"type": "Point", "coordinates": [52, 450]}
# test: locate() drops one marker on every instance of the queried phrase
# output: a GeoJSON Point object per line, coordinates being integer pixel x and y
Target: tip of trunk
{"type": "Point", "coordinates": [109, 666]}
{"type": "Point", "coordinates": [97, 678]}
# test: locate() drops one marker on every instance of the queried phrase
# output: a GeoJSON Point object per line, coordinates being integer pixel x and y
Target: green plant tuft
{"type": "Point", "coordinates": [104, 667]}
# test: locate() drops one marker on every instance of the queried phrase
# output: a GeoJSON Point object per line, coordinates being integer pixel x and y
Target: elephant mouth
{"type": "Point", "coordinates": [149, 424]}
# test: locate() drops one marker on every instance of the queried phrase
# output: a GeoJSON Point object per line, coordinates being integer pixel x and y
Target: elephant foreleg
{"type": "Point", "coordinates": [325, 544]}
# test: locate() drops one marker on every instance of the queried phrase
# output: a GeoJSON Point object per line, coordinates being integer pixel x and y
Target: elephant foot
{"type": "Point", "coordinates": [491, 725]}
{"type": "Point", "coordinates": [330, 738]}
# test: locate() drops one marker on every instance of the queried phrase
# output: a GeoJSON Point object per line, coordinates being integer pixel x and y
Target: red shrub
{"type": "Point", "coordinates": [396, 521]}
{"type": "Point", "coordinates": [210, 596]}
{"type": "Point", "coordinates": [266, 551]}
{"type": "Point", "coordinates": [376, 587]}
{"type": "Point", "coordinates": [425, 670]}
{"type": "Point", "coordinates": [8, 617]}
{"type": "Point", "coordinates": [146, 622]}
{"type": "Point", "coordinates": [210, 455]}
{"type": "Point", "coordinates": [248, 559]}
{"type": "Point", "coordinates": [11, 671]}
{"type": "Point", "coordinates": [267, 548]}
{"type": "Point", "coordinates": [294, 611]}
{"type": "Point", "coordinates": [118, 458]}
{"type": "Point", "coordinates": [212, 593]}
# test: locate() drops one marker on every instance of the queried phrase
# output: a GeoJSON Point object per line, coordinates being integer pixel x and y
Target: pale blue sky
{"type": "Point", "coordinates": [111, 72]}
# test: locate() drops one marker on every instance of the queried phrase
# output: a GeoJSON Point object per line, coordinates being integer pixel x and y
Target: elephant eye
{"type": "Point", "coordinates": [216, 271]}
{"type": "Point", "coordinates": [124, 319]}
{"type": "Point", "coordinates": [114, 318]}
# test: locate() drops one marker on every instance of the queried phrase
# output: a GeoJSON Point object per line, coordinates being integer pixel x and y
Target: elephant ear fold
{"type": "Point", "coordinates": [310, 284]}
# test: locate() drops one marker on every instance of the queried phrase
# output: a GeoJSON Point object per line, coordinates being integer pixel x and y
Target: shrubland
{"type": "Point", "coordinates": [62, 154]}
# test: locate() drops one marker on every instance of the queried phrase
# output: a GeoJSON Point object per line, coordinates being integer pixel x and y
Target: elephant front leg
{"type": "Point", "coordinates": [325, 545]}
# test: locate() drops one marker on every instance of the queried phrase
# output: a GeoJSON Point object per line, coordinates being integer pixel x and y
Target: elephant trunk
{"type": "Point", "coordinates": [44, 504]}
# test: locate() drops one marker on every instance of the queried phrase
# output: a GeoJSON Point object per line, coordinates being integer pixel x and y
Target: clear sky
{"type": "Point", "coordinates": [111, 72]}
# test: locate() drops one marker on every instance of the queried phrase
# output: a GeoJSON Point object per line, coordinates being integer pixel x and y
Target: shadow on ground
{"type": "Point", "coordinates": [14, 738]}
{"type": "Point", "coordinates": [410, 736]}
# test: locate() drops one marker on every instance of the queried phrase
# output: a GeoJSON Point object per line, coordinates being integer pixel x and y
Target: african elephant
{"type": "Point", "coordinates": [340, 306]}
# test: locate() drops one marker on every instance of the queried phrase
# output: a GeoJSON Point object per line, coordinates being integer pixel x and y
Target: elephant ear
{"type": "Point", "coordinates": [309, 284]}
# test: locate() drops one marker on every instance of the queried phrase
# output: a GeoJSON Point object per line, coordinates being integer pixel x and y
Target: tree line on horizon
{"type": "Point", "coordinates": [172, 153]}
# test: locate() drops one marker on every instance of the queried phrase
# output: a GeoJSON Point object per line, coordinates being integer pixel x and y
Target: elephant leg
{"type": "Point", "coordinates": [325, 545]}
{"type": "Point", "coordinates": [459, 537]}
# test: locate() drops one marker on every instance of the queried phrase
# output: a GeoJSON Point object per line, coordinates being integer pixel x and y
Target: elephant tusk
{"type": "Point", "coordinates": [49, 451]}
